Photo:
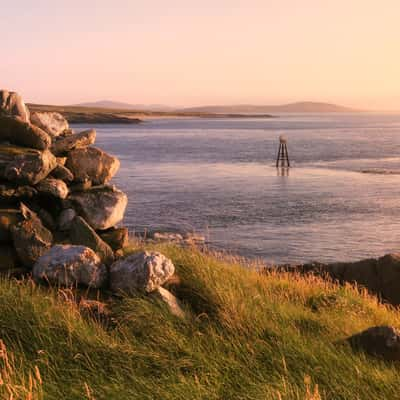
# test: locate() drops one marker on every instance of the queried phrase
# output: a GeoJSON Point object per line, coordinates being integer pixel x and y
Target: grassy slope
{"type": "Point", "coordinates": [248, 336]}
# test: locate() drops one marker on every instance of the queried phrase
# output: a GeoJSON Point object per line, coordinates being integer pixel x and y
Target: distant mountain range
{"type": "Point", "coordinates": [300, 107]}
{"type": "Point", "coordinates": [124, 106]}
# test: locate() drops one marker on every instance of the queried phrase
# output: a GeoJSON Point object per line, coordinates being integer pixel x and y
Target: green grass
{"type": "Point", "coordinates": [247, 336]}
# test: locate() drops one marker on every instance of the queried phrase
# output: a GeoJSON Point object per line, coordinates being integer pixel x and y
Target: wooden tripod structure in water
{"type": "Point", "coordinates": [283, 157]}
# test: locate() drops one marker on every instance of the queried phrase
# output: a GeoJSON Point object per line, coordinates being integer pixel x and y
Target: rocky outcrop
{"type": "Point", "coordinates": [143, 272]}
{"type": "Point", "coordinates": [52, 123]}
{"type": "Point", "coordinates": [378, 341]}
{"type": "Point", "coordinates": [70, 266]}
{"type": "Point", "coordinates": [37, 154]}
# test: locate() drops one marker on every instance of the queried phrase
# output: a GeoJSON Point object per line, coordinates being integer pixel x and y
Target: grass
{"type": "Point", "coordinates": [247, 335]}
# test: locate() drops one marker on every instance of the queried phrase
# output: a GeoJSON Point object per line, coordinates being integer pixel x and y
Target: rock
{"type": "Point", "coordinates": [68, 265]}
{"type": "Point", "coordinates": [53, 187]}
{"type": "Point", "coordinates": [8, 258]}
{"type": "Point", "coordinates": [170, 300]}
{"type": "Point", "coordinates": [116, 238]}
{"type": "Point", "coordinates": [388, 274]}
{"type": "Point", "coordinates": [81, 233]}
{"type": "Point", "coordinates": [11, 103]}
{"type": "Point", "coordinates": [11, 194]}
{"type": "Point", "coordinates": [145, 271]}
{"type": "Point", "coordinates": [102, 208]}
{"type": "Point", "coordinates": [75, 141]}
{"type": "Point", "coordinates": [380, 341]}
{"type": "Point", "coordinates": [25, 166]}
{"type": "Point", "coordinates": [92, 164]}
{"type": "Point", "coordinates": [65, 219]}
{"type": "Point", "coordinates": [168, 236]}
{"type": "Point", "coordinates": [63, 173]}
{"type": "Point", "coordinates": [52, 123]}
{"type": "Point", "coordinates": [61, 161]}
{"type": "Point", "coordinates": [81, 186]}
{"type": "Point", "coordinates": [47, 219]}
{"type": "Point", "coordinates": [18, 132]}
{"type": "Point", "coordinates": [31, 240]}
{"type": "Point", "coordinates": [8, 218]}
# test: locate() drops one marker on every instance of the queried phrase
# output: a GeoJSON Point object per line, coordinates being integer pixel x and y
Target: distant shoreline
{"type": "Point", "coordinates": [86, 115]}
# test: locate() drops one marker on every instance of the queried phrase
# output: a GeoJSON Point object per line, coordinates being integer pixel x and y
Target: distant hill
{"type": "Point", "coordinates": [300, 107]}
{"type": "Point", "coordinates": [123, 106]}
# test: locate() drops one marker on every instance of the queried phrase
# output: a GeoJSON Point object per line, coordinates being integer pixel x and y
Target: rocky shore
{"type": "Point", "coordinates": [59, 215]}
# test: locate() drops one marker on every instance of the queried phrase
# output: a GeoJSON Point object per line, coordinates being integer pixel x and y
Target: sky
{"type": "Point", "coordinates": [187, 53]}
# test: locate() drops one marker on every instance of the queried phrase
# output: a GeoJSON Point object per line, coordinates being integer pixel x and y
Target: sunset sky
{"type": "Point", "coordinates": [203, 52]}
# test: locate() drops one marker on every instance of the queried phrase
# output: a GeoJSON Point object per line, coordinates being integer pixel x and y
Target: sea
{"type": "Point", "coordinates": [339, 201]}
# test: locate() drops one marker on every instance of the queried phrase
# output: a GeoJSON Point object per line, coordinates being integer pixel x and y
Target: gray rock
{"type": "Point", "coordinates": [116, 238]}
{"type": "Point", "coordinates": [74, 141]}
{"type": "Point", "coordinates": [65, 219]}
{"type": "Point", "coordinates": [63, 173]}
{"type": "Point", "coordinates": [81, 233]}
{"type": "Point", "coordinates": [11, 103]}
{"type": "Point", "coordinates": [379, 341]}
{"type": "Point", "coordinates": [52, 123]}
{"type": "Point", "coordinates": [53, 187]}
{"type": "Point", "coordinates": [92, 164]}
{"type": "Point", "coordinates": [170, 300]}
{"type": "Point", "coordinates": [102, 207]}
{"type": "Point", "coordinates": [68, 265]}
{"type": "Point", "coordinates": [31, 239]}
{"type": "Point", "coordinates": [25, 166]}
{"type": "Point", "coordinates": [145, 271]}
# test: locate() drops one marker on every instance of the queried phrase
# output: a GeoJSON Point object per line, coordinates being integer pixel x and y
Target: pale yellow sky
{"type": "Point", "coordinates": [203, 52]}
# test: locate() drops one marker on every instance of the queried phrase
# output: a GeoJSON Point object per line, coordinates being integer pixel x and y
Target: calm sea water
{"type": "Point", "coordinates": [340, 200]}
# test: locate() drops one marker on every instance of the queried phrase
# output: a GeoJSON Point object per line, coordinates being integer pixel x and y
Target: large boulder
{"type": "Point", "coordinates": [81, 233]}
{"type": "Point", "coordinates": [63, 173]}
{"type": "Point", "coordinates": [68, 265]}
{"type": "Point", "coordinates": [16, 131]}
{"type": "Point", "coordinates": [53, 187]}
{"type": "Point", "coordinates": [11, 103]}
{"type": "Point", "coordinates": [31, 239]}
{"type": "Point", "coordinates": [75, 141]}
{"type": "Point", "coordinates": [65, 219]}
{"type": "Point", "coordinates": [92, 164]}
{"type": "Point", "coordinates": [25, 166]}
{"type": "Point", "coordinates": [379, 341]}
{"type": "Point", "coordinates": [144, 271]}
{"type": "Point", "coordinates": [52, 123]}
{"type": "Point", "coordinates": [101, 207]}
{"type": "Point", "coordinates": [8, 219]}
{"type": "Point", "coordinates": [116, 238]}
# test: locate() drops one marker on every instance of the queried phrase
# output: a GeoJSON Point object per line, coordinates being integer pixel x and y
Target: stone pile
{"type": "Point", "coordinates": [59, 215]}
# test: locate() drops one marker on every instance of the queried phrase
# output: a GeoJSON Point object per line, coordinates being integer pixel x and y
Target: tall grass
{"type": "Point", "coordinates": [247, 335]}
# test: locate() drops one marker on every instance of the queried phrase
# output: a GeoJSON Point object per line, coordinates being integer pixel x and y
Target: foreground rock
{"type": "Point", "coordinates": [11, 103]}
{"type": "Point", "coordinates": [116, 238]}
{"type": "Point", "coordinates": [25, 166]}
{"type": "Point", "coordinates": [52, 123]}
{"type": "Point", "coordinates": [31, 240]}
{"type": "Point", "coordinates": [92, 164]}
{"type": "Point", "coordinates": [379, 341]}
{"type": "Point", "coordinates": [75, 141]}
{"type": "Point", "coordinates": [170, 300]}
{"type": "Point", "coordinates": [81, 233]}
{"type": "Point", "coordinates": [67, 265]}
{"type": "Point", "coordinates": [101, 207]}
{"type": "Point", "coordinates": [145, 271]}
